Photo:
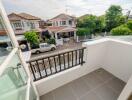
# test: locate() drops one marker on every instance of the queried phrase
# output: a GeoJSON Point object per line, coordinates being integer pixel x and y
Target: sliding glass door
{"type": "Point", "coordinates": [15, 82]}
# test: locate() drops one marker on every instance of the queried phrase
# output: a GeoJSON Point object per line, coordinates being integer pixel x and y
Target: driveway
{"type": "Point", "coordinates": [66, 46]}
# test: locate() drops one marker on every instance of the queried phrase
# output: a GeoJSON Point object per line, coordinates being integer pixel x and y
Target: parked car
{"type": "Point", "coordinates": [44, 47]}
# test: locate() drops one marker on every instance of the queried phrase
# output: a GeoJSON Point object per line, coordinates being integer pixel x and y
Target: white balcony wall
{"type": "Point", "coordinates": [93, 57]}
{"type": "Point", "coordinates": [118, 59]}
{"type": "Point", "coordinates": [112, 55]}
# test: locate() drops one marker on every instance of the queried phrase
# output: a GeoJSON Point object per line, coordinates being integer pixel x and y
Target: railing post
{"type": "Point", "coordinates": [71, 58]}
{"type": "Point", "coordinates": [37, 64]}
{"type": "Point", "coordinates": [82, 57]}
{"type": "Point", "coordinates": [44, 67]}
{"type": "Point", "coordinates": [32, 72]}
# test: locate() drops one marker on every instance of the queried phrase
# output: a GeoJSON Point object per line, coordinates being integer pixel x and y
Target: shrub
{"type": "Point", "coordinates": [121, 30]}
{"type": "Point", "coordinates": [32, 37]}
{"type": "Point", "coordinates": [129, 24]}
{"type": "Point", "coordinates": [83, 32]}
{"type": "Point", "coordinates": [51, 41]}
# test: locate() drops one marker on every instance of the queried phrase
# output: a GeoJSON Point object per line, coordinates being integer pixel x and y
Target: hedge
{"type": "Point", "coordinates": [83, 32]}
{"type": "Point", "coordinates": [129, 24]}
{"type": "Point", "coordinates": [121, 30]}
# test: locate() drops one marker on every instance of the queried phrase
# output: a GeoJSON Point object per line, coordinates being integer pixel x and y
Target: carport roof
{"type": "Point", "coordinates": [6, 38]}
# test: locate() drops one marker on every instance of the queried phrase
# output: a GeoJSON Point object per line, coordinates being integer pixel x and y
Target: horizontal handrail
{"type": "Point", "coordinates": [49, 65]}
{"type": "Point", "coordinates": [54, 54]}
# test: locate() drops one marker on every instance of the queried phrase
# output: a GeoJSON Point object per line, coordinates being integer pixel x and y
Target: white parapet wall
{"type": "Point", "coordinates": [92, 56]}
{"type": "Point", "coordinates": [113, 55]}
{"type": "Point", "coordinates": [118, 59]}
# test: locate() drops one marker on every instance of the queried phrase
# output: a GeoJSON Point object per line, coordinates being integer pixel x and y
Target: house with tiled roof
{"type": "Point", "coordinates": [23, 22]}
{"type": "Point", "coordinates": [63, 28]}
{"type": "Point", "coordinates": [63, 20]}
{"type": "Point", "coordinates": [20, 23]}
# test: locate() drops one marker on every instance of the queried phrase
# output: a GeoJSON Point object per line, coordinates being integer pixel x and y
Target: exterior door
{"type": "Point", "coordinates": [15, 82]}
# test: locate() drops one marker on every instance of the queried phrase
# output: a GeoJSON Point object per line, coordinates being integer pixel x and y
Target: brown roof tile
{"type": "Point", "coordinates": [14, 16]}
{"type": "Point", "coordinates": [62, 17]}
{"type": "Point", "coordinates": [28, 16]}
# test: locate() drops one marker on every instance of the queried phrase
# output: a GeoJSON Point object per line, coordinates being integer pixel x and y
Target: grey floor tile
{"type": "Point", "coordinates": [98, 85]}
{"type": "Point", "coordinates": [104, 75]}
{"type": "Point", "coordinates": [80, 87]}
{"type": "Point", "coordinates": [92, 80]}
{"type": "Point", "coordinates": [90, 96]}
{"type": "Point", "coordinates": [117, 85]}
{"type": "Point", "coordinates": [106, 93]}
{"type": "Point", "coordinates": [48, 96]}
{"type": "Point", "coordinates": [64, 93]}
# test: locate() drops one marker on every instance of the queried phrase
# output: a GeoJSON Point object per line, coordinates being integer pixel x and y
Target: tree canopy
{"type": "Point", "coordinates": [32, 37]}
{"type": "Point", "coordinates": [114, 17]}
{"type": "Point", "coordinates": [83, 32]}
{"type": "Point", "coordinates": [91, 23]}
{"type": "Point", "coordinates": [124, 29]}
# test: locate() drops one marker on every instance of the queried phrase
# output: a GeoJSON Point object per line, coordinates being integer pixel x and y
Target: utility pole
{"type": "Point", "coordinates": [128, 13]}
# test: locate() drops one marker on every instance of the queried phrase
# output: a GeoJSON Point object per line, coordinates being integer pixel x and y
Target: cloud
{"type": "Point", "coordinates": [50, 8]}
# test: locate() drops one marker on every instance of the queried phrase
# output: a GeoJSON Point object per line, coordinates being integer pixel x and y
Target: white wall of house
{"type": "Point", "coordinates": [60, 23]}
{"type": "Point", "coordinates": [25, 25]}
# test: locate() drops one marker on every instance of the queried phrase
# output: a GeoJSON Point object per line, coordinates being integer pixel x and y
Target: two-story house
{"type": "Point", "coordinates": [64, 20]}
{"type": "Point", "coordinates": [23, 22]}
{"type": "Point", "coordinates": [20, 23]}
{"type": "Point", "coordinates": [63, 28]}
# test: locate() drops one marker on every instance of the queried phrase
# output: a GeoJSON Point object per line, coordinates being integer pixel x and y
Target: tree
{"type": "Point", "coordinates": [32, 38]}
{"type": "Point", "coordinates": [100, 24]}
{"type": "Point", "coordinates": [92, 23]}
{"type": "Point", "coordinates": [114, 17]}
{"type": "Point", "coordinates": [83, 32]}
{"type": "Point", "coordinates": [51, 41]}
{"type": "Point", "coordinates": [87, 22]}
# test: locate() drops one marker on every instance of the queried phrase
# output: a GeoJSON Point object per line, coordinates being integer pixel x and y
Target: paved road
{"type": "Point", "coordinates": [65, 47]}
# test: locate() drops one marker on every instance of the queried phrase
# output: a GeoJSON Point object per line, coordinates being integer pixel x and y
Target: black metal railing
{"type": "Point", "coordinates": [46, 66]}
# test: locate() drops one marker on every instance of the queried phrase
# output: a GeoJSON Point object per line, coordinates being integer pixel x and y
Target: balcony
{"type": "Point", "coordinates": [99, 71]}
{"type": "Point", "coordinates": [97, 85]}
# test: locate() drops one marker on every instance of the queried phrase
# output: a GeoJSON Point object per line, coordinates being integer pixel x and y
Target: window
{"type": "Point", "coordinates": [17, 25]}
{"type": "Point", "coordinates": [13, 79]}
{"type": "Point", "coordinates": [28, 23]}
{"type": "Point", "coordinates": [15, 84]}
{"type": "Point", "coordinates": [63, 22]}
{"type": "Point", "coordinates": [32, 25]}
{"type": "Point", "coordinates": [70, 22]}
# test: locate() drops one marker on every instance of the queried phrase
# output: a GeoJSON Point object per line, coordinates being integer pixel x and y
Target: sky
{"type": "Point", "coordinates": [47, 9]}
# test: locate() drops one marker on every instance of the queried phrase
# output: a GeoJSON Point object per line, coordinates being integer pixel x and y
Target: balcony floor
{"type": "Point", "coordinates": [98, 85]}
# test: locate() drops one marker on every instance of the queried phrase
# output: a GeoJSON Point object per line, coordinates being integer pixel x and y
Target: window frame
{"type": "Point", "coordinates": [16, 50]}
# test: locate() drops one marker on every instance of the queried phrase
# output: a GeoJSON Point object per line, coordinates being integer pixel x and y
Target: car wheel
{"type": "Point", "coordinates": [52, 49]}
{"type": "Point", "coordinates": [37, 52]}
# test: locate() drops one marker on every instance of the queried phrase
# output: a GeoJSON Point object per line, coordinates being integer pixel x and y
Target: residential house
{"type": "Point", "coordinates": [63, 28]}
{"type": "Point", "coordinates": [102, 70]}
{"type": "Point", "coordinates": [24, 22]}
{"type": "Point", "coordinates": [44, 24]}
{"type": "Point", "coordinates": [20, 23]}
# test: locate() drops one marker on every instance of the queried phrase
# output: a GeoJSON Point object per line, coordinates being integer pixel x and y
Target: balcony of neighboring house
{"type": "Point", "coordinates": [100, 70]}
